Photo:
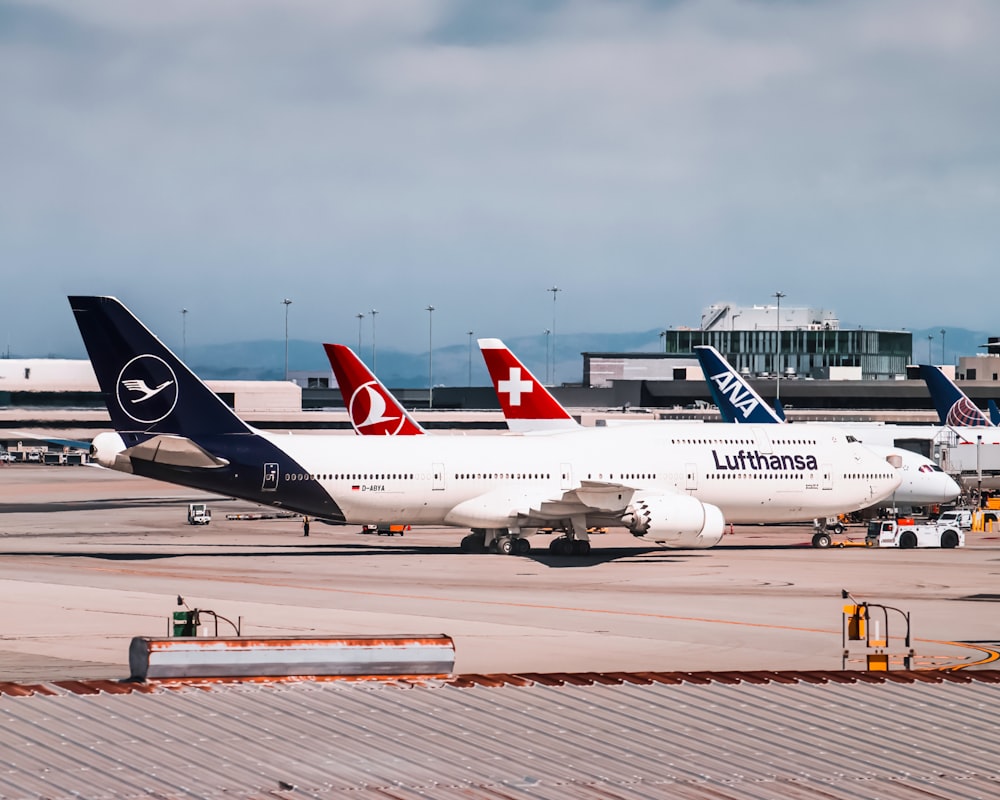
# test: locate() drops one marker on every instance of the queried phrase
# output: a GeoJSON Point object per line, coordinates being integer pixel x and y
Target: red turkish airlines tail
{"type": "Point", "coordinates": [372, 408]}
{"type": "Point", "coordinates": [526, 404]}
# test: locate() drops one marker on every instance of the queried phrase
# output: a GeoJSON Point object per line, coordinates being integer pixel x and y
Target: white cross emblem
{"type": "Point", "coordinates": [514, 386]}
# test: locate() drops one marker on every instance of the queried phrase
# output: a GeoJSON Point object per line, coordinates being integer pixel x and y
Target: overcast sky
{"type": "Point", "coordinates": [649, 158]}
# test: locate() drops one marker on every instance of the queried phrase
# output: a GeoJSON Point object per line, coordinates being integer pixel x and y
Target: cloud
{"type": "Point", "coordinates": [651, 158]}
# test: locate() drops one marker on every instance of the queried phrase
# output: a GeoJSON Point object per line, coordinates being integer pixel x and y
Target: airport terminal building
{"type": "Point", "coordinates": [800, 343]}
{"type": "Point", "coordinates": [823, 368]}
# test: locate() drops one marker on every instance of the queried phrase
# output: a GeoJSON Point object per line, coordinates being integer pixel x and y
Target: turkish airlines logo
{"type": "Point", "coordinates": [514, 387]}
{"type": "Point", "coordinates": [147, 389]}
{"type": "Point", "coordinates": [964, 414]}
{"type": "Point", "coordinates": [367, 409]}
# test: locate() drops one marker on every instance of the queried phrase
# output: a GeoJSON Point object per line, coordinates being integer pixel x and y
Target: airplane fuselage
{"type": "Point", "coordinates": [751, 475]}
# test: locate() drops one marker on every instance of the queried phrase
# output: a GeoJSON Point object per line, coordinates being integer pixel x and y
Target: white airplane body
{"type": "Point", "coordinates": [675, 487]}
{"type": "Point", "coordinates": [922, 481]}
{"type": "Point", "coordinates": [507, 481]}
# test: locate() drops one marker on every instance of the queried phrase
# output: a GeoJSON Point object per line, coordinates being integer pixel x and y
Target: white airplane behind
{"type": "Point", "coordinates": [536, 409]}
{"type": "Point", "coordinates": [675, 487]}
{"type": "Point", "coordinates": [923, 481]}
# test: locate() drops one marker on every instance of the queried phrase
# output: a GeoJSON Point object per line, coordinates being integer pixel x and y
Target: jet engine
{"type": "Point", "coordinates": [675, 521]}
{"type": "Point", "coordinates": [107, 450]}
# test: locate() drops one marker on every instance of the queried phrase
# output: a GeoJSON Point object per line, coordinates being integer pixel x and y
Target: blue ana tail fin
{"type": "Point", "coordinates": [953, 406]}
{"type": "Point", "coordinates": [147, 389]}
{"type": "Point", "coordinates": [779, 409]}
{"type": "Point", "coordinates": [736, 400]}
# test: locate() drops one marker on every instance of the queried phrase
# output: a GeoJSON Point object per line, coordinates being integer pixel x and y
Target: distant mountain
{"type": "Point", "coordinates": [265, 359]}
{"type": "Point", "coordinates": [957, 342]}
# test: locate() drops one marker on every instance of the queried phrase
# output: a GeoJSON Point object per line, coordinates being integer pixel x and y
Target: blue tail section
{"type": "Point", "coordinates": [779, 409]}
{"type": "Point", "coordinates": [994, 413]}
{"type": "Point", "coordinates": [147, 389]}
{"type": "Point", "coordinates": [736, 400]}
{"type": "Point", "coordinates": [175, 429]}
{"type": "Point", "coordinates": [953, 406]}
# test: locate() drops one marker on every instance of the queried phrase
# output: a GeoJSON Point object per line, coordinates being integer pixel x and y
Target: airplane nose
{"type": "Point", "coordinates": [949, 488]}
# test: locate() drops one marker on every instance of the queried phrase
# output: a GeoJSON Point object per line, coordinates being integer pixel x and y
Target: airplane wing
{"type": "Point", "coordinates": [522, 508]}
{"type": "Point", "coordinates": [36, 437]}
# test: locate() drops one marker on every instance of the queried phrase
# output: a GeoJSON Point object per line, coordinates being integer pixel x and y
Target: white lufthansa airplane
{"type": "Point", "coordinates": [675, 486]}
{"type": "Point", "coordinates": [533, 407]}
{"type": "Point", "coordinates": [923, 481]}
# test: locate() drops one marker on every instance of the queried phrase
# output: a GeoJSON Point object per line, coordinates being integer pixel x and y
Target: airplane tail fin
{"type": "Point", "coordinates": [374, 411]}
{"type": "Point", "coordinates": [779, 409]}
{"type": "Point", "coordinates": [147, 389]}
{"type": "Point", "coordinates": [527, 405]}
{"type": "Point", "coordinates": [953, 406]}
{"type": "Point", "coordinates": [994, 413]}
{"type": "Point", "coordinates": [736, 399]}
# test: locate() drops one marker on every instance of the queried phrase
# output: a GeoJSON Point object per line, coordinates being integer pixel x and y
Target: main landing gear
{"type": "Point", "coordinates": [575, 541]}
{"type": "Point", "coordinates": [495, 541]}
{"type": "Point", "coordinates": [564, 546]}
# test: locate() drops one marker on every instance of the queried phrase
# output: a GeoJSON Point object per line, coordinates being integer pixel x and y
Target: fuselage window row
{"type": "Point", "coordinates": [300, 476]}
{"type": "Point", "coordinates": [742, 441]}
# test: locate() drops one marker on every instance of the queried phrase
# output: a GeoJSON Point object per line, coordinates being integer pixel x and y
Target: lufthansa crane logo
{"type": "Point", "coordinates": [367, 409]}
{"type": "Point", "coordinates": [147, 389]}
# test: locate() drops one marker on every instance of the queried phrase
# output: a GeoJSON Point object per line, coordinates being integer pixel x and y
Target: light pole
{"type": "Point", "coordinates": [930, 358]}
{"type": "Point", "coordinates": [430, 356]}
{"type": "Point", "coordinates": [555, 290]}
{"type": "Point", "coordinates": [777, 356]}
{"type": "Point", "coordinates": [184, 333]}
{"type": "Point", "coordinates": [943, 362]}
{"type": "Point", "coordinates": [286, 303]}
{"type": "Point", "coordinates": [373, 312]}
{"type": "Point", "coordinates": [470, 357]}
{"type": "Point", "coordinates": [546, 333]}
{"type": "Point", "coordinates": [361, 318]}
{"type": "Point", "coordinates": [979, 472]}
{"type": "Point", "coordinates": [663, 338]}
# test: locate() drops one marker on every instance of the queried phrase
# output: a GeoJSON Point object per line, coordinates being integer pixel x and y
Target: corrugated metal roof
{"type": "Point", "coordinates": [719, 735]}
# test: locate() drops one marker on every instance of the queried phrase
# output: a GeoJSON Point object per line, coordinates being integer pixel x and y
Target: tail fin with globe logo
{"type": "Point", "coordinates": [953, 406]}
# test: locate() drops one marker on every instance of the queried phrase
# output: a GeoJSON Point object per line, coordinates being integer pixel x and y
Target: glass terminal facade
{"type": "Point", "coordinates": [806, 353]}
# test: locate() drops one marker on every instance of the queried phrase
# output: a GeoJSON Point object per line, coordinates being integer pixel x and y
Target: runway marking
{"type": "Point", "coordinates": [243, 579]}
{"type": "Point", "coordinates": [991, 655]}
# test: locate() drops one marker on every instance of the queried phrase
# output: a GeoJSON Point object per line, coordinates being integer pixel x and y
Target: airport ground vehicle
{"type": "Point", "coordinates": [385, 530]}
{"type": "Point", "coordinates": [960, 517]}
{"type": "Point", "coordinates": [906, 534]}
{"type": "Point", "coordinates": [199, 514]}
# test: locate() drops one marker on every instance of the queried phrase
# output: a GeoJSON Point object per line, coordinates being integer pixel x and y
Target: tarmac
{"type": "Point", "coordinates": [91, 558]}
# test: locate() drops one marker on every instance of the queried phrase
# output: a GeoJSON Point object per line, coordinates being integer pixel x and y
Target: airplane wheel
{"type": "Point", "coordinates": [522, 546]}
{"type": "Point", "coordinates": [821, 540]}
{"type": "Point", "coordinates": [505, 545]}
{"type": "Point", "coordinates": [558, 546]}
{"type": "Point", "coordinates": [581, 548]}
{"type": "Point", "coordinates": [473, 543]}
